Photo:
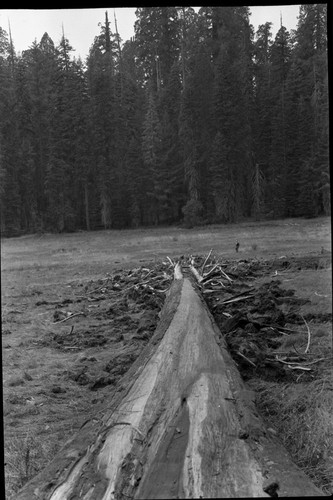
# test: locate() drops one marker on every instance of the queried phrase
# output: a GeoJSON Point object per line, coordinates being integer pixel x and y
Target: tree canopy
{"type": "Point", "coordinates": [197, 118]}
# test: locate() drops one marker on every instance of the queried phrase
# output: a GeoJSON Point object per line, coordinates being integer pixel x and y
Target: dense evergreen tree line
{"type": "Point", "coordinates": [197, 118]}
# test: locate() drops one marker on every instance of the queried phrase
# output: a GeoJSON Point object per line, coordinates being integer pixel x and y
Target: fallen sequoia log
{"type": "Point", "coordinates": [182, 425]}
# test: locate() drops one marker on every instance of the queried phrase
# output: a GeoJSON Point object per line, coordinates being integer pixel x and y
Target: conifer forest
{"type": "Point", "coordinates": [197, 119]}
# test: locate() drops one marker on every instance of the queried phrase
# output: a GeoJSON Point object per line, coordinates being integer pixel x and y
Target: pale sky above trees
{"type": "Point", "coordinates": [81, 25]}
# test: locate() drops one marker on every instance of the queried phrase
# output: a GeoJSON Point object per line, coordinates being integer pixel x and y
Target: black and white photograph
{"type": "Point", "coordinates": [166, 268]}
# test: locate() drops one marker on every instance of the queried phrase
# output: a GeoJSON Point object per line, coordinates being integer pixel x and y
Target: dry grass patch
{"type": "Point", "coordinates": [31, 364]}
{"type": "Point", "coordinates": [57, 364]}
{"type": "Point", "coordinates": [302, 415]}
{"type": "Point", "coordinates": [15, 399]}
{"type": "Point", "coordinates": [28, 410]}
{"type": "Point", "coordinates": [27, 376]}
{"type": "Point", "coordinates": [24, 457]}
{"type": "Point", "coordinates": [15, 381]}
{"type": "Point", "coordinates": [59, 267]}
{"type": "Point", "coordinates": [302, 412]}
{"type": "Point", "coordinates": [299, 339]}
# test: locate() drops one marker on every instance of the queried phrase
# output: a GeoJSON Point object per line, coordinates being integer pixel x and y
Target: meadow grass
{"type": "Point", "coordinates": [25, 456]}
{"type": "Point", "coordinates": [60, 253]}
{"type": "Point", "coordinates": [302, 415]}
{"type": "Point", "coordinates": [33, 266]}
{"type": "Point", "coordinates": [15, 381]}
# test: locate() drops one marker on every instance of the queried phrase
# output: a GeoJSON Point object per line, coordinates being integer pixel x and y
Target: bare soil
{"type": "Point", "coordinates": [78, 309]}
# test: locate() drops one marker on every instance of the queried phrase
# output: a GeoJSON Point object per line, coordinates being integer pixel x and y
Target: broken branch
{"type": "Point", "coordinates": [69, 317]}
{"type": "Point", "coordinates": [194, 271]}
{"type": "Point", "coordinates": [309, 335]}
{"type": "Point", "coordinates": [99, 288]}
{"type": "Point", "coordinates": [205, 261]}
{"type": "Point", "coordinates": [293, 366]}
{"type": "Point", "coordinates": [237, 299]}
{"type": "Point", "coordinates": [171, 261]}
{"type": "Point", "coordinates": [178, 275]}
{"type": "Point", "coordinates": [210, 271]}
{"type": "Point", "coordinates": [304, 368]}
{"type": "Point", "coordinates": [225, 274]}
{"type": "Point", "coordinates": [246, 359]}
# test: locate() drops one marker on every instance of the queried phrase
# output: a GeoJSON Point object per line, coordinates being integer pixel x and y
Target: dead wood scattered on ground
{"type": "Point", "coordinates": [254, 320]}
{"type": "Point", "coordinates": [254, 316]}
{"type": "Point", "coordinates": [197, 432]}
{"type": "Point", "coordinates": [123, 310]}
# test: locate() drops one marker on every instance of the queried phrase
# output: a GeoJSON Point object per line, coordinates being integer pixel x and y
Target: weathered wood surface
{"type": "Point", "coordinates": [184, 425]}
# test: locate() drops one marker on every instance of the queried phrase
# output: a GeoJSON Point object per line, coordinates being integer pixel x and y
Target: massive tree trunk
{"type": "Point", "coordinates": [182, 425]}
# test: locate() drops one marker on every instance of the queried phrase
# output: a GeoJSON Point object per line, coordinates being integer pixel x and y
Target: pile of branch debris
{"type": "Point", "coordinates": [253, 318]}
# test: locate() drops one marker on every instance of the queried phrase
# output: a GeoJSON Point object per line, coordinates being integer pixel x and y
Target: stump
{"type": "Point", "coordinates": [183, 425]}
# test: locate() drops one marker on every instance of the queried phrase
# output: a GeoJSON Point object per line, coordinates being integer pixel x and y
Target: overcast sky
{"type": "Point", "coordinates": [81, 25]}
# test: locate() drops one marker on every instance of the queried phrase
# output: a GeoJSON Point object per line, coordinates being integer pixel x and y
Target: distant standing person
{"type": "Point", "coordinates": [237, 246]}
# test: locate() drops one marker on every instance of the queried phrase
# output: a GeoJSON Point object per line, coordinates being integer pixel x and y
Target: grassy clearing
{"type": "Point", "coordinates": [15, 381]}
{"type": "Point", "coordinates": [301, 415]}
{"type": "Point", "coordinates": [28, 454]}
{"type": "Point", "coordinates": [97, 250]}
{"type": "Point", "coordinates": [43, 405]}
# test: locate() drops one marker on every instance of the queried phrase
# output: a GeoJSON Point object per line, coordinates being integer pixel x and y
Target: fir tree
{"type": "Point", "coordinates": [184, 120]}
{"type": "Point", "coordinates": [151, 148]}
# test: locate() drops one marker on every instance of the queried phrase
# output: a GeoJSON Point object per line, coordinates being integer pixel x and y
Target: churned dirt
{"type": "Point", "coordinates": [73, 326]}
